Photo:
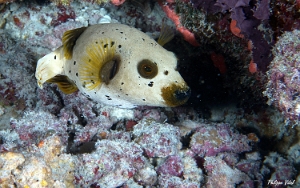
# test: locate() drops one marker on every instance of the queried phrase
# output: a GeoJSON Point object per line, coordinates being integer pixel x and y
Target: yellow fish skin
{"type": "Point", "coordinates": [116, 65]}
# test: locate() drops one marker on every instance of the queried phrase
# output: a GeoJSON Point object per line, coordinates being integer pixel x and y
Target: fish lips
{"type": "Point", "coordinates": [176, 94]}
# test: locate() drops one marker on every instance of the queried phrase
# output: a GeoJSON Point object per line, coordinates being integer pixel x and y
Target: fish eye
{"type": "Point", "coordinates": [147, 69]}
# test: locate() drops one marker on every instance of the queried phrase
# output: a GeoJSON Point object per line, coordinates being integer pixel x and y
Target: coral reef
{"type": "Point", "coordinates": [112, 164]}
{"type": "Point", "coordinates": [45, 165]}
{"type": "Point", "coordinates": [224, 137]}
{"type": "Point", "coordinates": [283, 88]}
{"type": "Point", "coordinates": [167, 136]}
{"type": "Point", "coordinates": [219, 139]}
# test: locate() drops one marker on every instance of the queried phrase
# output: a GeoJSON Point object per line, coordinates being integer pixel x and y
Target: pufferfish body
{"type": "Point", "coordinates": [116, 65]}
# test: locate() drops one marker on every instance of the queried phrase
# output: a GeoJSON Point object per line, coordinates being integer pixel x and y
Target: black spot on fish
{"type": "Point", "coordinates": [150, 84]}
{"type": "Point", "coordinates": [120, 46]}
{"type": "Point", "coordinates": [105, 45]}
{"type": "Point", "coordinates": [144, 99]}
{"type": "Point", "coordinates": [166, 72]}
{"type": "Point", "coordinates": [122, 83]}
{"type": "Point", "coordinates": [143, 39]}
{"type": "Point", "coordinates": [69, 71]}
{"type": "Point", "coordinates": [117, 29]}
{"type": "Point", "coordinates": [96, 42]}
{"type": "Point", "coordinates": [121, 32]}
{"type": "Point", "coordinates": [77, 74]}
{"type": "Point", "coordinates": [55, 57]}
{"type": "Point", "coordinates": [102, 32]}
{"type": "Point", "coordinates": [112, 43]}
{"type": "Point", "coordinates": [108, 97]}
{"type": "Point", "coordinates": [92, 81]}
{"type": "Point", "coordinates": [74, 62]}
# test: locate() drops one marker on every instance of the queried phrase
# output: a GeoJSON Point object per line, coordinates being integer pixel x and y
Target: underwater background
{"type": "Point", "coordinates": [240, 127]}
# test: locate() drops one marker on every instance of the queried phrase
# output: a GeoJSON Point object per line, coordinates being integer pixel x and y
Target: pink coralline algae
{"type": "Point", "coordinates": [222, 175]}
{"type": "Point", "coordinates": [17, 91]}
{"type": "Point", "coordinates": [111, 165]}
{"type": "Point", "coordinates": [283, 87]}
{"type": "Point", "coordinates": [63, 15]}
{"type": "Point", "coordinates": [39, 127]}
{"type": "Point", "coordinates": [172, 166]}
{"type": "Point", "coordinates": [179, 171]}
{"type": "Point", "coordinates": [211, 140]}
{"type": "Point", "coordinates": [149, 135]}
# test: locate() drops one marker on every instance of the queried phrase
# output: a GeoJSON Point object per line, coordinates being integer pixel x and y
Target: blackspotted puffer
{"type": "Point", "coordinates": [116, 65]}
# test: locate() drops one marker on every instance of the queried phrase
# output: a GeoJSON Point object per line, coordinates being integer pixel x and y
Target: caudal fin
{"type": "Point", "coordinates": [49, 66]}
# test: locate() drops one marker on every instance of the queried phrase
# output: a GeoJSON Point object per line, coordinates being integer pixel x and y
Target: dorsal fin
{"type": "Point", "coordinates": [99, 65]}
{"type": "Point", "coordinates": [69, 40]}
{"type": "Point", "coordinates": [166, 34]}
{"type": "Point", "coordinates": [64, 84]}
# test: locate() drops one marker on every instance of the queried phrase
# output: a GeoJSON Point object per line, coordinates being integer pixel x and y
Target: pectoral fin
{"type": "Point", "coordinates": [99, 65]}
{"type": "Point", "coordinates": [64, 84]}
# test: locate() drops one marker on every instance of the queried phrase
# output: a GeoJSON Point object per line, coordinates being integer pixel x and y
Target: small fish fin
{"type": "Point", "coordinates": [166, 34]}
{"type": "Point", "coordinates": [99, 65]}
{"type": "Point", "coordinates": [69, 40]}
{"type": "Point", "coordinates": [64, 84]}
{"type": "Point", "coordinates": [49, 66]}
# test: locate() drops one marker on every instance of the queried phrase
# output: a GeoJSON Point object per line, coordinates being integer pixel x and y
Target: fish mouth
{"type": "Point", "coordinates": [176, 94]}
